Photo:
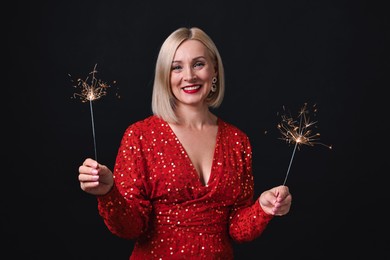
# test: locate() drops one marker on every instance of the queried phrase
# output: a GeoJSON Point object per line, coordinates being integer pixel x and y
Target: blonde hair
{"type": "Point", "coordinates": [163, 100]}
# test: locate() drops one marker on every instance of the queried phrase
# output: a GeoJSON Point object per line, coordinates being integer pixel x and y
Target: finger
{"type": "Point", "coordinates": [283, 193]}
{"type": "Point", "coordinates": [284, 201]}
{"type": "Point", "coordinates": [88, 178]}
{"type": "Point", "coordinates": [281, 210]}
{"type": "Point", "coordinates": [86, 186]}
{"type": "Point", "coordinates": [90, 163]}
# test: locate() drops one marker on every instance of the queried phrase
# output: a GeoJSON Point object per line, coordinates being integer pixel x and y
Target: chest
{"type": "Point", "coordinates": [184, 166]}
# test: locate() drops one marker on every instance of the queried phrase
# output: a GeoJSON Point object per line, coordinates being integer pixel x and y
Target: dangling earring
{"type": "Point", "coordinates": [214, 85]}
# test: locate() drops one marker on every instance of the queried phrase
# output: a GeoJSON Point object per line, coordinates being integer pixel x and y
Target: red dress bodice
{"type": "Point", "coordinates": [159, 200]}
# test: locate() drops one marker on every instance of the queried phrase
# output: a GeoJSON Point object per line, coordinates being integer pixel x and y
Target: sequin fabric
{"type": "Point", "coordinates": [159, 200]}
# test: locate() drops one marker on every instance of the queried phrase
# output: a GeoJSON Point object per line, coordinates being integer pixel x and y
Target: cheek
{"type": "Point", "coordinates": [174, 80]}
{"type": "Point", "coordinates": [175, 84]}
{"type": "Point", "coordinates": [208, 75]}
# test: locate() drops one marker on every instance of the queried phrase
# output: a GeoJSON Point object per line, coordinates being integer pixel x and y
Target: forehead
{"type": "Point", "coordinates": [191, 48]}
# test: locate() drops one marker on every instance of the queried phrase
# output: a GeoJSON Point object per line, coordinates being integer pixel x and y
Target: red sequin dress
{"type": "Point", "coordinates": [159, 200]}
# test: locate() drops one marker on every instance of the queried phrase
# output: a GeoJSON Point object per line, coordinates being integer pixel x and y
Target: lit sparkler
{"type": "Point", "coordinates": [91, 89]}
{"type": "Point", "coordinates": [299, 132]}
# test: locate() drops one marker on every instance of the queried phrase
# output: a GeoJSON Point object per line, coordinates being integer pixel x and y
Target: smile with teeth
{"type": "Point", "coordinates": [190, 88]}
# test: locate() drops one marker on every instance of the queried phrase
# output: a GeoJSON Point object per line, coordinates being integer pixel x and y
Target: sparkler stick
{"type": "Point", "coordinates": [299, 132]}
{"type": "Point", "coordinates": [90, 92]}
{"type": "Point", "coordinates": [289, 166]}
{"type": "Point", "coordinates": [93, 129]}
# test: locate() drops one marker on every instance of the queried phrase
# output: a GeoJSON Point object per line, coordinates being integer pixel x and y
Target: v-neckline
{"type": "Point", "coordinates": [194, 170]}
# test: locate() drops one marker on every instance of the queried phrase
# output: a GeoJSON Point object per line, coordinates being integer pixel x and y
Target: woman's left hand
{"type": "Point", "coordinates": [276, 201]}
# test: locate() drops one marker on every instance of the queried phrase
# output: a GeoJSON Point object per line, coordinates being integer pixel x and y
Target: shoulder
{"type": "Point", "coordinates": [146, 126]}
{"type": "Point", "coordinates": [149, 122]}
{"type": "Point", "coordinates": [232, 131]}
{"type": "Point", "coordinates": [230, 127]}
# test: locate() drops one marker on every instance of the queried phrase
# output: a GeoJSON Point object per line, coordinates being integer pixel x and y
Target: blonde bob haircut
{"type": "Point", "coordinates": [163, 100]}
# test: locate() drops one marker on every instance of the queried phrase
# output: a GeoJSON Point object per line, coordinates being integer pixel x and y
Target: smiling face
{"type": "Point", "coordinates": [191, 74]}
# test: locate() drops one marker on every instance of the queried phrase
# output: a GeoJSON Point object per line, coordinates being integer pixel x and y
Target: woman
{"type": "Point", "coordinates": [182, 184]}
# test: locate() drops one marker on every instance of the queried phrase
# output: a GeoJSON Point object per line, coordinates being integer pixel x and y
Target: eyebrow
{"type": "Point", "coordinates": [196, 58]}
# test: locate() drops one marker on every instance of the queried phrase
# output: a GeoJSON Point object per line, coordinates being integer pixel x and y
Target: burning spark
{"type": "Point", "coordinates": [299, 132]}
{"type": "Point", "coordinates": [91, 89]}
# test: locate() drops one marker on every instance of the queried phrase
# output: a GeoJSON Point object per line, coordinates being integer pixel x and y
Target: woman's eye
{"type": "Point", "coordinates": [199, 64]}
{"type": "Point", "coordinates": [177, 67]}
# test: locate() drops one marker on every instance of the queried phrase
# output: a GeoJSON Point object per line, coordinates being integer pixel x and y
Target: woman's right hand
{"type": "Point", "coordinates": [95, 178]}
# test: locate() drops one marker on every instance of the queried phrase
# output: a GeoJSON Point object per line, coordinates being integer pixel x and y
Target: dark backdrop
{"type": "Point", "coordinates": [276, 53]}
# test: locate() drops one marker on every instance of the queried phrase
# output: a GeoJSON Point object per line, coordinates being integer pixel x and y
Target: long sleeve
{"type": "Point", "coordinates": [126, 208]}
{"type": "Point", "coordinates": [247, 218]}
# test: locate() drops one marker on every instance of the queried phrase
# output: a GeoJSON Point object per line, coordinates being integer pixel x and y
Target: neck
{"type": "Point", "coordinates": [195, 118]}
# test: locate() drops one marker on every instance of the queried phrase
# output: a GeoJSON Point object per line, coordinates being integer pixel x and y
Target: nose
{"type": "Point", "coordinates": [189, 74]}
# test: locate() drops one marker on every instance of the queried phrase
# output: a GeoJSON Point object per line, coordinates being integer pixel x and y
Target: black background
{"type": "Point", "coordinates": [332, 54]}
